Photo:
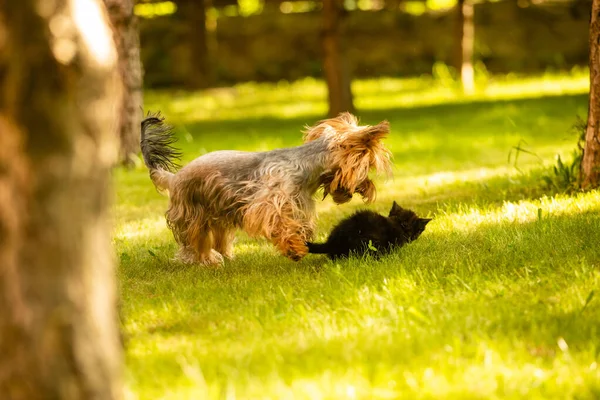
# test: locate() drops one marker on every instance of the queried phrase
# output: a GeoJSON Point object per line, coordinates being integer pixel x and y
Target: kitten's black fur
{"type": "Point", "coordinates": [365, 230]}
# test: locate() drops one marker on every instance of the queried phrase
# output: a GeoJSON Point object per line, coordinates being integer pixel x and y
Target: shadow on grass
{"type": "Point", "coordinates": [460, 111]}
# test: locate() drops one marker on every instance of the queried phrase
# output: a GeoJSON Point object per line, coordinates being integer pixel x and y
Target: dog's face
{"type": "Point", "coordinates": [355, 151]}
{"type": "Point", "coordinates": [341, 195]}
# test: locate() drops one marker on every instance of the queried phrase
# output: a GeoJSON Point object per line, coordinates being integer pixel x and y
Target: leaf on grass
{"type": "Point", "coordinates": [547, 180]}
{"type": "Point", "coordinates": [559, 163]}
{"type": "Point", "coordinates": [371, 247]}
{"type": "Point", "coordinates": [418, 315]}
{"type": "Point", "coordinates": [588, 300]}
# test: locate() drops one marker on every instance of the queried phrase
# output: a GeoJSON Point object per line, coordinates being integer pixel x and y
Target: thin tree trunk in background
{"type": "Point", "coordinates": [465, 40]}
{"type": "Point", "coordinates": [393, 5]}
{"type": "Point", "coordinates": [336, 69]}
{"type": "Point", "coordinates": [194, 14]}
{"type": "Point", "coordinates": [590, 165]}
{"type": "Point", "coordinates": [59, 92]}
{"type": "Point", "coordinates": [126, 34]}
{"type": "Point", "coordinates": [272, 6]}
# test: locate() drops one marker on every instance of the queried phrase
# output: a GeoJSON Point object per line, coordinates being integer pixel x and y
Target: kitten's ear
{"type": "Point", "coordinates": [422, 222]}
{"type": "Point", "coordinates": [395, 208]}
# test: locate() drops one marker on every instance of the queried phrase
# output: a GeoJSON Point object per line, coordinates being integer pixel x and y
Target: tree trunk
{"type": "Point", "coordinates": [125, 29]}
{"type": "Point", "coordinates": [272, 6]}
{"type": "Point", "coordinates": [194, 14]}
{"type": "Point", "coordinates": [336, 71]}
{"type": "Point", "coordinates": [465, 42]}
{"type": "Point", "coordinates": [590, 165]}
{"type": "Point", "coordinates": [59, 92]}
{"type": "Point", "coordinates": [393, 5]}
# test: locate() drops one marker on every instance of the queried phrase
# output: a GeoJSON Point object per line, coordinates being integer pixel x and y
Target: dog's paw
{"type": "Point", "coordinates": [229, 255]}
{"type": "Point", "coordinates": [214, 258]}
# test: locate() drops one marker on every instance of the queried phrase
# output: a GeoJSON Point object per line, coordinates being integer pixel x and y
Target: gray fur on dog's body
{"type": "Point", "coordinates": [265, 193]}
{"type": "Point", "coordinates": [301, 164]}
{"type": "Point", "coordinates": [294, 170]}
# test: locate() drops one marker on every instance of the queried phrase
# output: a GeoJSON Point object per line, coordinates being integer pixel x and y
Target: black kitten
{"type": "Point", "coordinates": [367, 231]}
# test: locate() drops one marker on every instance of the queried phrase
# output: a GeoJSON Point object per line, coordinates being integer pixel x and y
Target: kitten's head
{"type": "Point", "coordinates": [411, 225]}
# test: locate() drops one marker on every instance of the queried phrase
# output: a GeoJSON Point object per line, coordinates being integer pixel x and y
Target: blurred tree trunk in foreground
{"type": "Point", "coordinates": [465, 42]}
{"type": "Point", "coordinates": [59, 92]}
{"type": "Point", "coordinates": [590, 165]}
{"type": "Point", "coordinates": [334, 64]}
{"type": "Point", "coordinates": [126, 35]}
{"type": "Point", "coordinates": [193, 13]}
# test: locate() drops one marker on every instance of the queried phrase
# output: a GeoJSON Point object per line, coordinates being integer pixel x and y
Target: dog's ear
{"type": "Point", "coordinates": [368, 139]}
{"type": "Point", "coordinates": [373, 134]}
{"type": "Point", "coordinates": [380, 155]}
{"type": "Point", "coordinates": [367, 190]}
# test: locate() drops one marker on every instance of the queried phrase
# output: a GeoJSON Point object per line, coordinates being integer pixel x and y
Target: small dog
{"type": "Point", "coordinates": [267, 194]}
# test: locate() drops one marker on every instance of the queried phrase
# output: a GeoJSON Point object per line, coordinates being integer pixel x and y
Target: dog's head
{"type": "Point", "coordinates": [354, 152]}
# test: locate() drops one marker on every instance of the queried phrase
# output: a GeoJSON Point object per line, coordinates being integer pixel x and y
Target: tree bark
{"type": "Point", "coordinates": [194, 14]}
{"type": "Point", "coordinates": [465, 42]}
{"type": "Point", "coordinates": [126, 35]}
{"type": "Point", "coordinates": [59, 92]}
{"type": "Point", "coordinates": [335, 67]}
{"type": "Point", "coordinates": [590, 165]}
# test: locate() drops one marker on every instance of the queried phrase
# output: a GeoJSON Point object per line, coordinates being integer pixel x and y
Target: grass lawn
{"type": "Point", "coordinates": [495, 300]}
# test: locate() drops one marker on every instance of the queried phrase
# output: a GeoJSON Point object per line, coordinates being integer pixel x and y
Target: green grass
{"type": "Point", "coordinates": [495, 300]}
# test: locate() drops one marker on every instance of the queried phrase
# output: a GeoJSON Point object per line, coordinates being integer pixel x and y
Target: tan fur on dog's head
{"type": "Point", "coordinates": [354, 151]}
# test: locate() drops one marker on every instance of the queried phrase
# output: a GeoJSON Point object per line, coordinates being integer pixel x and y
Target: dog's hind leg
{"type": "Point", "coordinates": [198, 247]}
{"type": "Point", "coordinates": [224, 241]}
{"type": "Point", "coordinates": [192, 232]}
{"type": "Point", "coordinates": [203, 245]}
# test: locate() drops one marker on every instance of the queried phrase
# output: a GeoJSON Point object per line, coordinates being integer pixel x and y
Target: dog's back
{"type": "Point", "coordinates": [229, 164]}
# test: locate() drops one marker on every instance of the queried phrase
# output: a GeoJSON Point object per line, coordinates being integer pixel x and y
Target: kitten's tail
{"type": "Point", "coordinates": [318, 248]}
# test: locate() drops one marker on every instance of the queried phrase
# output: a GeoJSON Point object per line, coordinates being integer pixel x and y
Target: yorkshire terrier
{"type": "Point", "coordinates": [267, 194]}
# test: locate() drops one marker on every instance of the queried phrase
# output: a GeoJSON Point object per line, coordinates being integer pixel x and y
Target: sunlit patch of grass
{"type": "Point", "coordinates": [522, 212]}
{"type": "Point", "coordinates": [497, 299]}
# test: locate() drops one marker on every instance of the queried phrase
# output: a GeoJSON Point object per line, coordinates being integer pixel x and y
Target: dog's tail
{"type": "Point", "coordinates": [159, 155]}
{"type": "Point", "coordinates": [318, 248]}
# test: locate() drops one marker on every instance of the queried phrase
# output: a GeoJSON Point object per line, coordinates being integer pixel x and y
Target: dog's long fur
{"type": "Point", "coordinates": [266, 194]}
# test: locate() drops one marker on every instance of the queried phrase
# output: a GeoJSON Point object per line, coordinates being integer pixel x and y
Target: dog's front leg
{"type": "Point", "coordinates": [291, 235]}
{"type": "Point", "coordinates": [283, 219]}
